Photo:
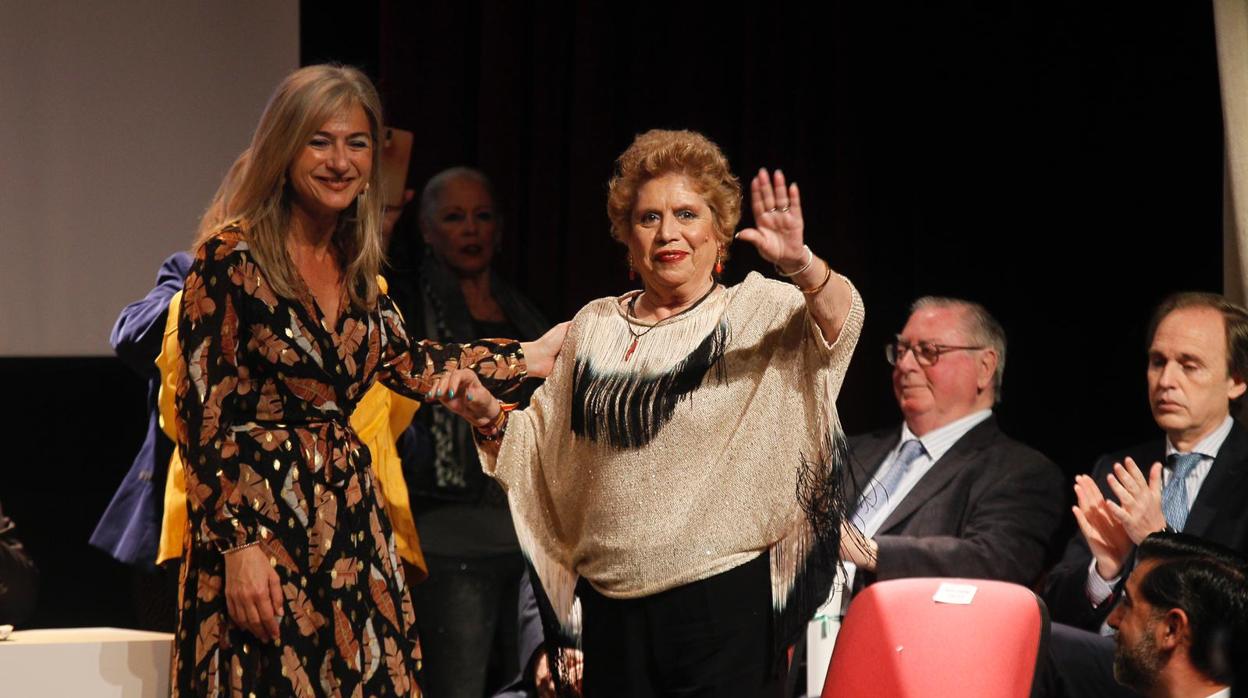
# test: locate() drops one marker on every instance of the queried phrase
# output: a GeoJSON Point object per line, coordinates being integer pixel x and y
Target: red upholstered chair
{"type": "Point", "coordinates": [897, 642]}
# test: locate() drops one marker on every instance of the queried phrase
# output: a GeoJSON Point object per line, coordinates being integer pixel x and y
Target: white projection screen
{"type": "Point", "coordinates": [117, 121]}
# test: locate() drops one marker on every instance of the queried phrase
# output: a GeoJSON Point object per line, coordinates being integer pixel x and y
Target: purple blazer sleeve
{"type": "Point", "coordinates": [129, 529]}
{"type": "Point", "coordinates": [137, 335]}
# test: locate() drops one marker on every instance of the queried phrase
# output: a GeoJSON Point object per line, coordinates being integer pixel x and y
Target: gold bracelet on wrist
{"type": "Point", "coordinates": [816, 289]}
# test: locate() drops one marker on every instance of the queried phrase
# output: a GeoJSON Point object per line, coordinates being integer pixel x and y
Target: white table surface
{"type": "Point", "coordinates": [86, 662]}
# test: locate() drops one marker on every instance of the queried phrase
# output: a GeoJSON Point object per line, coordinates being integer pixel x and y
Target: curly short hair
{"type": "Point", "coordinates": [656, 153]}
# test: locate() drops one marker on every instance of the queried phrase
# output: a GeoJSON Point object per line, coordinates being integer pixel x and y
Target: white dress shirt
{"type": "Point", "coordinates": [936, 444]}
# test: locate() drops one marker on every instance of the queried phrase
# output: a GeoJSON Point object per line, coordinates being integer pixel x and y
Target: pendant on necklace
{"type": "Point", "coordinates": [631, 348]}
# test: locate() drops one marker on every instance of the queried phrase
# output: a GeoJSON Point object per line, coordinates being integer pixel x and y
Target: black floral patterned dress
{"type": "Point", "coordinates": [270, 457]}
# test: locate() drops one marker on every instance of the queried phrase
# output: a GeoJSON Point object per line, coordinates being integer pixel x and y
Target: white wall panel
{"type": "Point", "coordinates": [117, 121]}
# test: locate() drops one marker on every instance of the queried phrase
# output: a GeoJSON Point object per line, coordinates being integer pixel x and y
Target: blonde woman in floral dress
{"type": "Point", "coordinates": [291, 584]}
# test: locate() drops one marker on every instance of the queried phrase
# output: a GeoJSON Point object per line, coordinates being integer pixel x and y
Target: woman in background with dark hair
{"type": "Point", "coordinates": [467, 608]}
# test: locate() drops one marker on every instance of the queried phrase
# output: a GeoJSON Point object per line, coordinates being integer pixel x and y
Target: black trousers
{"type": "Point", "coordinates": [466, 612]}
{"type": "Point", "coordinates": [711, 638]}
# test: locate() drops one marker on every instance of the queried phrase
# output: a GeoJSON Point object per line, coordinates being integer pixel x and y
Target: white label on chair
{"type": "Point", "coordinates": [954, 593]}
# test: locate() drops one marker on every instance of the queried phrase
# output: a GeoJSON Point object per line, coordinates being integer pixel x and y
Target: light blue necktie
{"type": "Point", "coordinates": [876, 496]}
{"type": "Point", "coordinates": [1174, 502]}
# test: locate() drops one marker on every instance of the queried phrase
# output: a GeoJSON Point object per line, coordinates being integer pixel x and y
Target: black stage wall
{"type": "Point", "coordinates": [1058, 162]}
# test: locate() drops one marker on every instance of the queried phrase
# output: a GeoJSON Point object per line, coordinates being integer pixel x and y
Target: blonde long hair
{"type": "Point", "coordinates": [256, 191]}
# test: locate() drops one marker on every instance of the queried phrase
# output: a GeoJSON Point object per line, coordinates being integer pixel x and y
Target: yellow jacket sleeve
{"type": "Point", "coordinates": [372, 420]}
{"type": "Point", "coordinates": [173, 522]}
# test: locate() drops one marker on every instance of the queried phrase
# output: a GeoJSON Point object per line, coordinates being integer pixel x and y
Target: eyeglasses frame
{"type": "Point", "coordinates": [893, 356]}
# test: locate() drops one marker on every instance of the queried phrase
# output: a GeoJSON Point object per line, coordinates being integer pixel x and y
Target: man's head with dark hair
{"type": "Point", "coordinates": [1183, 617]}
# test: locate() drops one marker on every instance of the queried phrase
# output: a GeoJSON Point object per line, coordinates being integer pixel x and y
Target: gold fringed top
{"type": "Point", "coordinates": [642, 468]}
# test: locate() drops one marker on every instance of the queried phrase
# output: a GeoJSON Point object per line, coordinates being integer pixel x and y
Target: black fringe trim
{"type": "Point", "coordinates": [628, 411]}
{"type": "Point", "coordinates": [555, 640]}
{"type": "Point", "coordinates": [821, 492]}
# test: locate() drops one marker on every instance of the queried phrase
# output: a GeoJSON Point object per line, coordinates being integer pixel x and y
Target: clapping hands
{"type": "Point", "coordinates": [1138, 508]}
{"type": "Point", "coordinates": [1113, 529]}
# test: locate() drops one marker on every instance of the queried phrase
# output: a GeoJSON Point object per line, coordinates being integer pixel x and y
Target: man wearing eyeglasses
{"type": "Point", "coordinates": [1195, 480]}
{"type": "Point", "coordinates": [948, 493]}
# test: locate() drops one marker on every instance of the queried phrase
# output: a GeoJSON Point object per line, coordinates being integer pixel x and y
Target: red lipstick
{"type": "Point", "coordinates": [670, 256]}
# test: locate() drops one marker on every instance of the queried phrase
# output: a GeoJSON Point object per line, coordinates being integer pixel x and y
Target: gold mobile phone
{"type": "Point", "coordinates": [396, 152]}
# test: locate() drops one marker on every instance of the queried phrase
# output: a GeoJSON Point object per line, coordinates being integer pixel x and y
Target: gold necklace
{"type": "Point", "coordinates": [632, 312]}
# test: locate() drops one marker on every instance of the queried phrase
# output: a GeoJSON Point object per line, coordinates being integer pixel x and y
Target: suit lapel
{"type": "Point", "coordinates": [943, 470]}
{"type": "Point", "coordinates": [1229, 469]}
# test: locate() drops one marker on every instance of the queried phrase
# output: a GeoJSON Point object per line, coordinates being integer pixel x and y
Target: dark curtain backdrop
{"type": "Point", "coordinates": [1058, 161]}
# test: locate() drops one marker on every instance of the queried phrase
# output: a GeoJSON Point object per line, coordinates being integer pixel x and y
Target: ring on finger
{"type": "Point", "coordinates": [784, 210]}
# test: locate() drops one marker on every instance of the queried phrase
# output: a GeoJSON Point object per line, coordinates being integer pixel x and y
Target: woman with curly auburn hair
{"type": "Point", "coordinates": [678, 471]}
{"type": "Point", "coordinates": [291, 582]}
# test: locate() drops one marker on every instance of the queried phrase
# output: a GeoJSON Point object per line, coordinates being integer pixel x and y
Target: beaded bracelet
{"type": "Point", "coordinates": [810, 259]}
{"type": "Point", "coordinates": [237, 548]}
{"type": "Point", "coordinates": [497, 427]}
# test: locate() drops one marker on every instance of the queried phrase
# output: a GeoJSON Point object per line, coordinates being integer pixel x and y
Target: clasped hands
{"type": "Point", "coordinates": [461, 390]}
{"type": "Point", "coordinates": [1113, 529]}
{"type": "Point", "coordinates": [462, 393]}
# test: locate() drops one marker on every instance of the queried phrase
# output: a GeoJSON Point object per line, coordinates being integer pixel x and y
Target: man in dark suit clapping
{"type": "Point", "coordinates": [1195, 480]}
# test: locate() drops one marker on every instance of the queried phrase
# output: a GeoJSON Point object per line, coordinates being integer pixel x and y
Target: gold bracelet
{"type": "Point", "coordinates": [813, 291]}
